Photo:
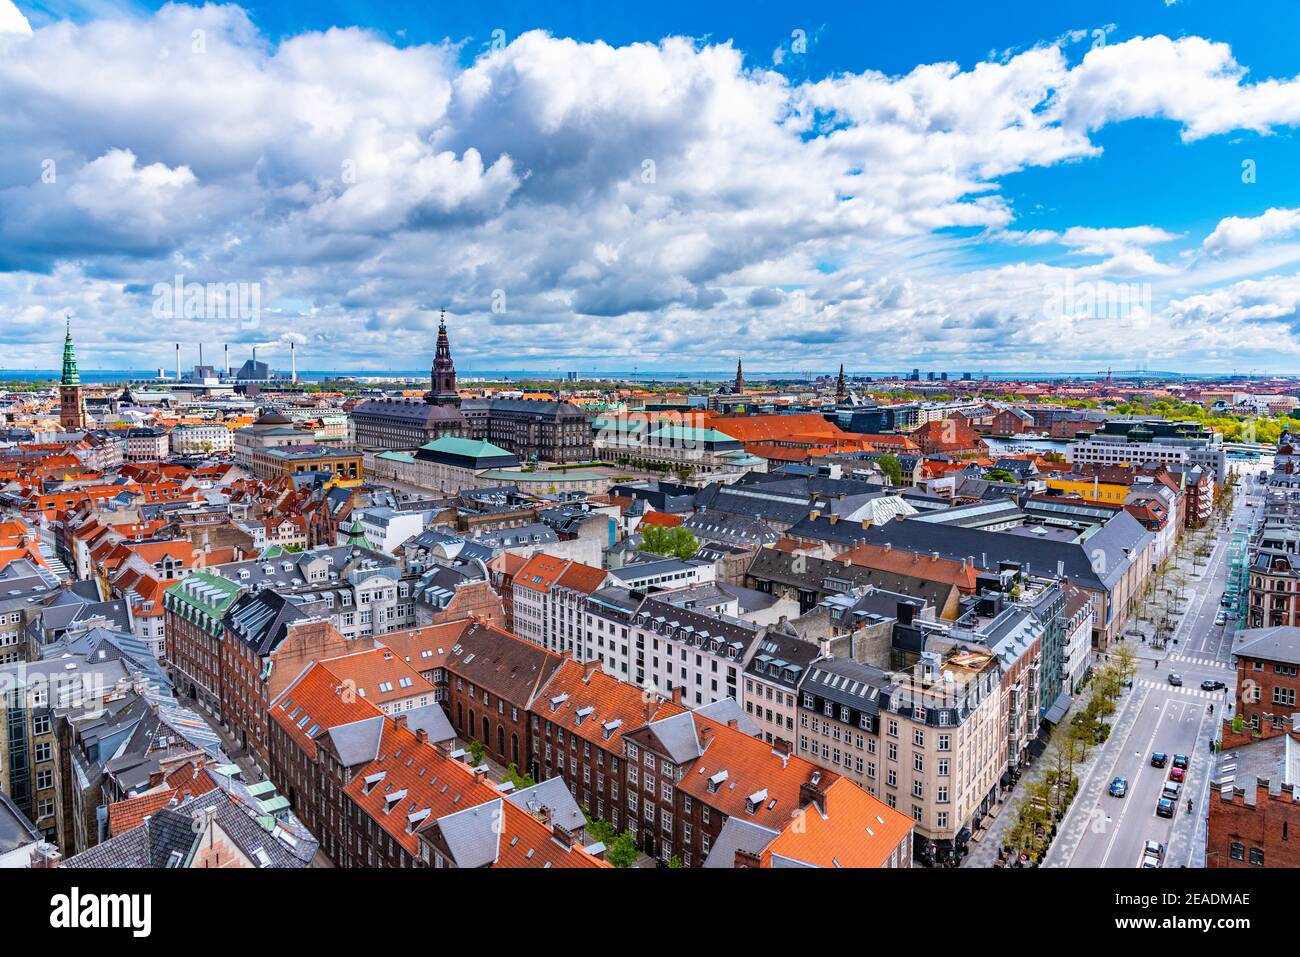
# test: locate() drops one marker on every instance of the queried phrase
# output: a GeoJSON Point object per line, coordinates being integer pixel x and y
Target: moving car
{"type": "Point", "coordinates": [1159, 759]}
{"type": "Point", "coordinates": [1118, 787]}
{"type": "Point", "coordinates": [1210, 685]}
{"type": "Point", "coordinates": [1165, 807]}
{"type": "Point", "coordinates": [1176, 774]}
{"type": "Point", "coordinates": [1175, 679]}
{"type": "Point", "coordinates": [1180, 761]}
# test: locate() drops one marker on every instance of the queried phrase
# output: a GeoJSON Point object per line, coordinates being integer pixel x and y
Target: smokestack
{"type": "Point", "coordinates": [178, 362]}
{"type": "Point", "coordinates": [293, 363]}
{"type": "Point", "coordinates": [200, 355]}
{"type": "Point", "coordinates": [226, 370]}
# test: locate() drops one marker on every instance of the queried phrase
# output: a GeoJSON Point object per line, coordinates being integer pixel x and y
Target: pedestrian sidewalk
{"type": "Point", "coordinates": [985, 853]}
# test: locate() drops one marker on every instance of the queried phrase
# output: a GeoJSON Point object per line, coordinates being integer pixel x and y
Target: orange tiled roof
{"type": "Point", "coordinates": [611, 700]}
{"type": "Point", "coordinates": [369, 670]}
{"type": "Point", "coordinates": [661, 519]}
{"type": "Point", "coordinates": [752, 766]}
{"type": "Point", "coordinates": [543, 572]}
{"type": "Point", "coordinates": [901, 562]}
{"type": "Point", "coordinates": [855, 830]}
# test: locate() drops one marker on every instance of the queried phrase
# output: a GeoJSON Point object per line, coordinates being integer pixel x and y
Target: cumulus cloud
{"type": "Point", "coordinates": [563, 199]}
{"type": "Point", "coordinates": [1238, 234]}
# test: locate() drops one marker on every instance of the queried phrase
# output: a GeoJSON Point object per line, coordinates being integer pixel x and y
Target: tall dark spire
{"type": "Point", "coordinates": [740, 379]}
{"type": "Point", "coordinates": [443, 376]}
{"type": "Point", "coordinates": [841, 386]}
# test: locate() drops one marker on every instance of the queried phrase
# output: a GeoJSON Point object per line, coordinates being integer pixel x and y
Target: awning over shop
{"type": "Point", "coordinates": [1057, 711]}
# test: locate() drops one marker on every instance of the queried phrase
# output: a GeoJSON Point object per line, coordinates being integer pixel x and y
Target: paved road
{"type": "Point", "coordinates": [1104, 831]}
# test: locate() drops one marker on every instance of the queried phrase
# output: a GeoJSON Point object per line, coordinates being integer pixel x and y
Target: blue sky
{"type": "Point", "coordinates": [856, 200]}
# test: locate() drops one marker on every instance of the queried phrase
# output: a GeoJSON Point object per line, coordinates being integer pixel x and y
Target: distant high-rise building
{"type": "Point", "coordinates": [943, 376]}
{"type": "Point", "coordinates": [916, 375]}
{"type": "Point", "coordinates": [929, 376]}
{"type": "Point", "coordinates": [965, 377]}
{"type": "Point", "coordinates": [72, 410]}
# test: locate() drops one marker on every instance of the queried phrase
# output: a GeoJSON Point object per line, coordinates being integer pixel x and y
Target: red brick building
{"type": "Point", "coordinates": [268, 640]}
{"type": "Point", "coordinates": [1268, 660]}
{"type": "Point", "coordinates": [953, 437]}
{"type": "Point", "coordinates": [377, 793]}
{"type": "Point", "coordinates": [493, 678]}
{"type": "Point", "coordinates": [577, 727]}
{"type": "Point", "coordinates": [1254, 808]}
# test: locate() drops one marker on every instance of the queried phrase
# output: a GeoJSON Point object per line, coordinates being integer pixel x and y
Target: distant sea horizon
{"type": "Point", "coordinates": [110, 376]}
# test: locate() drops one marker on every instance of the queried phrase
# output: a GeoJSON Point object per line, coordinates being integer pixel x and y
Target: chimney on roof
{"type": "Point", "coordinates": [887, 546]}
{"type": "Point", "coordinates": [814, 515]}
{"type": "Point", "coordinates": [733, 723]}
{"type": "Point", "coordinates": [400, 722]}
{"type": "Point", "coordinates": [746, 859]}
{"type": "Point", "coordinates": [813, 792]}
{"type": "Point", "coordinates": [782, 748]}
{"type": "Point", "coordinates": [589, 668]}
{"type": "Point", "coordinates": [564, 835]}
{"type": "Point", "coordinates": [422, 736]}
{"type": "Point", "coordinates": [906, 612]}
{"type": "Point", "coordinates": [677, 695]}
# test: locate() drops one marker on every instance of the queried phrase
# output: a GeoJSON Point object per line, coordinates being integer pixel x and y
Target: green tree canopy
{"type": "Point", "coordinates": [676, 542]}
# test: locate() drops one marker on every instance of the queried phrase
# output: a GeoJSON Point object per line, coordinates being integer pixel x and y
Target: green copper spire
{"type": "Point", "coordinates": [357, 535]}
{"type": "Point", "coordinates": [70, 376]}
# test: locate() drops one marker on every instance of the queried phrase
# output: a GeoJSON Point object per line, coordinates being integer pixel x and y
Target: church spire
{"type": "Point", "coordinates": [443, 375]}
{"type": "Point", "coordinates": [740, 379]}
{"type": "Point", "coordinates": [841, 386]}
{"type": "Point", "coordinates": [70, 375]}
{"type": "Point", "coordinates": [72, 411]}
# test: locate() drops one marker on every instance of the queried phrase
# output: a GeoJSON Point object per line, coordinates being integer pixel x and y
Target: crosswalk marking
{"type": "Point", "coordinates": [1203, 662]}
{"type": "Point", "coordinates": [1192, 692]}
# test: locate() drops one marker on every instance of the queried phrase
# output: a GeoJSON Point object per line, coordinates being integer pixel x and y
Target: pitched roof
{"type": "Point", "coordinates": [542, 572]}
{"type": "Point", "coordinates": [596, 706]}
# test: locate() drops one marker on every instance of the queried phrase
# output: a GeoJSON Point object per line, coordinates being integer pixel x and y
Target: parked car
{"type": "Point", "coordinates": [1159, 759]}
{"type": "Point", "coordinates": [1180, 761]}
{"type": "Point", "coordinates": [1210, 685]}
{"type": "Point", "coordinates": [1118, 787]}
{"type": "Point", "coordinates": [1149, 861]}
{"type": "Point", "coordinates": [1165, 807]}
{"type": "Point", "coordinates": [1221, 618]}
{"type": "Point", "coordinates": [1175, 679]}
{"type": "Point", "coordinates": [1171, 790]}
{"type": "Point", "coordinates": [1176, 774]}
{"type": "Point", "coordinates": [1154, 849]}
{"type": "Point", "coordinates": [1226, 600]}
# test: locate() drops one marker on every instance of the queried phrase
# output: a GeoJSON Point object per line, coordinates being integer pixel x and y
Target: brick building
{"type": "Point", "coordinates": [493, 678]}
{"type": "Point", "coordinates": [1255, 803]}
{"type": "Point", "coordinates": [577, 728]}
{"type": "Point", "coordinates": [193, 633]}
{"type": "Point", "coordinates": [1268, 660]}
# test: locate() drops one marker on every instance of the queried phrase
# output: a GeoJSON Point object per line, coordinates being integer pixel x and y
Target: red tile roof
{"type": "Point", "coordinates": [854, 830]}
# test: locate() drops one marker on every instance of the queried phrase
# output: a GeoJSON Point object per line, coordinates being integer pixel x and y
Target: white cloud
{"type": "Point", "coordinates": [1238, 234]}
{"type": "Point", "coordinates": [12, 20]}
{"type": "Point", "coordinates": [658, 197]}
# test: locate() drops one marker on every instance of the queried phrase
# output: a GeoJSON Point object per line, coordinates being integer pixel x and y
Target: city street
{"type": "Point", "coordinates": [1154, 716]}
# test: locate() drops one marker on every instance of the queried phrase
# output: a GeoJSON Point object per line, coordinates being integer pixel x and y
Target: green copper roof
{"type": "Point", "coordinates": [70, 376]}
{"type": "Point", "coordinates": [357, 535]}
{"type": "Point", "coordinates": [470, 448]}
